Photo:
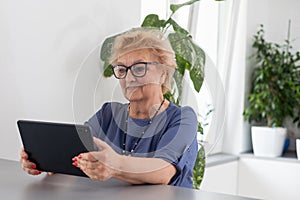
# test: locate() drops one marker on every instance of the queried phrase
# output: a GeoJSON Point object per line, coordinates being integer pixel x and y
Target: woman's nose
{"type": "Point", "coordinates": [129, 76]}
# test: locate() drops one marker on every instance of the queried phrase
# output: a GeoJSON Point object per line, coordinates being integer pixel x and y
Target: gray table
{"type": "Point", "coordinates": [15, 184]}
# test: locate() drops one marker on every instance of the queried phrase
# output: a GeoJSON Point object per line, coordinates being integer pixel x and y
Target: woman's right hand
{"type": "Point", "coordinates": [28, 166]}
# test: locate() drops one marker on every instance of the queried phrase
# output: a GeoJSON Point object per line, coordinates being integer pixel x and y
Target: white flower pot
{"type": "Point", "coordinates": [268, 142]}
{"type": "Point", "coordinates": [298, 148]}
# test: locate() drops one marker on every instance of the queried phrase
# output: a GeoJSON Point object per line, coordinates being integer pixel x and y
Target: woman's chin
{"type": "Point", "coordinates": [133, 96]}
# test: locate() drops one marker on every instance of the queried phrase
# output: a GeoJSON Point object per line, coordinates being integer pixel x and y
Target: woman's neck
{"type": "Point", "coordinates": [145, 109]}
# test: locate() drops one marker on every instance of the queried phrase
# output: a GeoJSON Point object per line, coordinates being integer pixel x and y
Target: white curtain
{"type": "Point", "coordinates": [231, 66]}
{"type": "Point", "coordinates": [224, 72]}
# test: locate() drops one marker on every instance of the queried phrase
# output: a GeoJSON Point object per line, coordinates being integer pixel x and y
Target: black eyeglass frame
{"type": "Point", "coordinates": [132, 72]}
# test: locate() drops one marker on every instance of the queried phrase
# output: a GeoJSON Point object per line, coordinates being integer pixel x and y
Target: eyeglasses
{"type": "Point", "coordinates": [137, 69]}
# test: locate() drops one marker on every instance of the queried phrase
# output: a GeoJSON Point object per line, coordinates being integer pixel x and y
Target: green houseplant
{"type": "Point", "coordinates": [275, 89]}
{"type": "Point", "coordinates": [189, 58]}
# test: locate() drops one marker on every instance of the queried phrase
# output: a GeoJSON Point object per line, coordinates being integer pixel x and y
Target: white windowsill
{"type": "Point", "coordinates": [222, 158]}
{"type": "Point", "coordinates": [289, 156]}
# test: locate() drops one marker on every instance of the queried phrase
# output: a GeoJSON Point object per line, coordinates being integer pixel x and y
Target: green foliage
{"type": "Point", "coordinates": [171, 97]}
{"type": "Point", "coordinates": [297, 116]}
{"type": "Point", "coordinates": [200, 128]}
{"type": "Point", "coordinates": [153, 20]}
{"type": "Point", "coordinates": [105, 53]}
{"type": "Point", "coordinates": [275, 92]}
{"type": "Point", "coordinates": [175, 7]}
{"type": "Point", "coordinates": [189, 56]}
{"type": "Point", "coordinates": [199, 168]}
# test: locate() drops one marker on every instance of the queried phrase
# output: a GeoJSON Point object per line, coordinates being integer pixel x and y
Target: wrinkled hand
{"type": "Point", "coordinates": [29, 166]}
{"type": "Point", "coordinates": [99, 165]}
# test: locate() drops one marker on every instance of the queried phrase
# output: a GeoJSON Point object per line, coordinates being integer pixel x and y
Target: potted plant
{"type": "Point", "coordinates": [274, 94]}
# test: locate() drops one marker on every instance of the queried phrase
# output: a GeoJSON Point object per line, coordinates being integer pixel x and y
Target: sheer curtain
{"type": "Point", "coordinates": [232, 65]}
{"type": "Point", "coordinates": [220, 29]}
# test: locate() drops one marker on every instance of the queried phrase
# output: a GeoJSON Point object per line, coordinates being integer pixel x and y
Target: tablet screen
{"type": "Point", "coordinates": [51, 146]}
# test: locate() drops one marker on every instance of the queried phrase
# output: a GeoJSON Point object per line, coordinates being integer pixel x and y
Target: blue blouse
{"type": "Point", "coordinates": [171, 136]}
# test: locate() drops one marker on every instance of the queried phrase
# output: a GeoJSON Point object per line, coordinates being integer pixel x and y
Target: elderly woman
{"type": "Point", "coordinates": [148, 140]}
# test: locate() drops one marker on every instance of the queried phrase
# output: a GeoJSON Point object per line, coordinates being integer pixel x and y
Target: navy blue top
{"type": "Point", "coordinates": [171, 136]}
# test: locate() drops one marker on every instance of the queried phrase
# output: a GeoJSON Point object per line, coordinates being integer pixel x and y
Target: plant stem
{"type": "Point", "coordinates": [288, 36]}
{"type": "Point", "coordinates": [289, 31]}
{"type": "Point", "coordinates": [269, 120]}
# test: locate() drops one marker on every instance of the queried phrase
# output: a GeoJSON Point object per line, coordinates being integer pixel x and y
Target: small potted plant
{"type": "Point", "coordinates": [274, 94]}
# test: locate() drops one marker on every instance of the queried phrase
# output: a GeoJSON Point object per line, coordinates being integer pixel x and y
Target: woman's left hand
{"type": "Point", "coordinates": [99, 165]}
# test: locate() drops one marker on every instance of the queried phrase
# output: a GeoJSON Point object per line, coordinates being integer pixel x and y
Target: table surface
{"type": "Point", "coordinates": [15, 184]}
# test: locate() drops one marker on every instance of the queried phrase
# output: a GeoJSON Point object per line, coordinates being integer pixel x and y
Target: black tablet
{"type": "Point", "coordinates": [53, 145]}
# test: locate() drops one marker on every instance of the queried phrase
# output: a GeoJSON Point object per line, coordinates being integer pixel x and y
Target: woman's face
{"type": "Point", "coordinates": [141, 88]}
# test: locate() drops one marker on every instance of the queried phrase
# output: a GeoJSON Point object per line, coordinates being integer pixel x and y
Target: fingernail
{"type": "Point", "coordinates": [37, 172]}
{"type": "Point", "coordinates": [33, 166]}
{"type": "Point", "coordinates": [74, 159]}
{"type": "Point", "coordinates": [75, 164]}
{"type": "Point", "coordinates": [80, 156]}
{"type": "Point", "coordinates": [81, 169]}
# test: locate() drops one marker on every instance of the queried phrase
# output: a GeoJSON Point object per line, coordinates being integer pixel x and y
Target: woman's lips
{"type": "Point", "coordinates": [132, 88]}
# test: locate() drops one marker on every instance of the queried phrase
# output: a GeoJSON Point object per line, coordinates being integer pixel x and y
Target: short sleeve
{"type": "Point", "coordinates": [96, 121]}
{"type": "Point", "coordinates": [106, 124]}
{"type": "Point", "coordinates": [178, 145]}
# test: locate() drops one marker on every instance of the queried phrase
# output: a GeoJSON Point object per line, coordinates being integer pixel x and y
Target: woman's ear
{"type": "Point", "coordinates": [163, 77]}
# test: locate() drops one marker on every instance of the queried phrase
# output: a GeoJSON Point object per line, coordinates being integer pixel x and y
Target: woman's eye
{"type": "Point", "coordinates": [121, 70]}
{"type": "Point", "coordinates": [139, 69]}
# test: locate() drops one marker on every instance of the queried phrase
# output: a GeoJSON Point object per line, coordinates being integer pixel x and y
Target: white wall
{"type": "Point", "coordinates": [221, 178]}
{"type": "Point", "coordinates": [268, 179]}
{"type": "Point", "coordinates": [274, 15]}
{"type": "Point", "coordinates": [254, 177]}
{"type": "Point", "coordinates": [48, 48]}
{"type": "Point", "coordinates": [158, 7]}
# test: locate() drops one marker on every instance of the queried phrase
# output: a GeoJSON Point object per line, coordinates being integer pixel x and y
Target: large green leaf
{"type": "Point", "coordinates": [108, 72]}
{"type": "Point", "coordinates": [181, 46]}
{"type": "Point", "coordinates": [153, 20]}
{"type": "Point", "coordinates": [175, 7]}
{"type": "Point", "coordinates": [197, 67]}
{"type": "Point", "coordinates": [182, 64]}
{"type": "Point", "coordinates": [177, 28]}
{"type": "Point", "coordinates": [178, 77]}
{"type": "Point", "coordinates": [189, 55]}
{"type": "Point", "coordinates": [106, 50]}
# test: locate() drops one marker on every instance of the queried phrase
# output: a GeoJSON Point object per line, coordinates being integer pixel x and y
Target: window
{"type": "Point", "coordinates": [202, 21]}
